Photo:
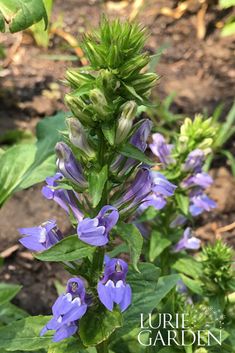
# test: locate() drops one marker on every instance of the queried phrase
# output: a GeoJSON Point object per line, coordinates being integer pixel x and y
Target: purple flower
{"type": "Point", "coordinates": [200, 202]}
{"type": "Point", "coordinates": [139, 140]}
{"type": "Point", "coordinates": [194, 161]}
{"type": "Point", "coordinates": [161, 149]}
{"type": "Point", "coordinates": [161, 188]}
{"type": "Point", "coordinates": [202, 179]}
{"type": "Point", "coordinates": [42, 237]}
{"type": "Point", "coordinates": [67, 164]}
{"type": "Point", "coordinates": [113, 289]}
{"type": "Point", "coordinates": [67, 310]}
{"type": "Point", "coordinates": [178, 221]}
{"type": "Point", "coordinates": [95, 231]}
{"type": "Point", "coordinates": [137, 192]}
{"type": "Point", "coordinates": [187, 242]}
{"type": "Point", "coordinates": [67, 199]}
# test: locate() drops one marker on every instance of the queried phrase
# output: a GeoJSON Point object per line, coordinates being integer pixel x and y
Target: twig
{"type": "Point", "coordinates": [226, 228]}
{"type": "Point", "coordinates": [69, 38]}
{"type": "Point", "coordinates": [13, 50]}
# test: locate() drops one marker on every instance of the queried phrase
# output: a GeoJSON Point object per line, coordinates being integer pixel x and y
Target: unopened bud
{"type": "Point", "coordinates": [206, 143]}
{"type": "Point", "coordinates": [78, 137]}
{"type": "Point", "coordinates": [125, 122]}
{"type": "Point", "coordinates": [99, 103]}
{"type": "Point", "coordinates": [183, 142]}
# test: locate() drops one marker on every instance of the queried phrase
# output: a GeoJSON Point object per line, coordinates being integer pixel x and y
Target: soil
{"type": "Point", "coordinates": [200, 71]}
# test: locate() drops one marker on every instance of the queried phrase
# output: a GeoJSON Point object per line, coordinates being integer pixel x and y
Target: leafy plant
{"type": "Point", "coordinates": [40, 33]}
{"type": "Point", "coordinates": [122, 202]}
{"type": "Point", "coordinates": [21, 14]}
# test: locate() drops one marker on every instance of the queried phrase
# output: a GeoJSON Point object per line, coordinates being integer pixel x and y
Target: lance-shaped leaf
{"type": "Point", "coordinates": [147, 292]}
{"type": "Point", "coordinates": [97, 182]}
{"type": "Point", "coordinates": [25, 335]}
{"type": "Point", "coordinates": [132, 236]}
{"type": "Point", "coordinates": [21, 14]}
{"type": "Point", "coordinates": [68, 249]}
{"type": "Point", "coordinates": [8, 291]}
{"type": "Point", "coordinates": [98, 324]}
{"type": "Point", "coordinates": [131, 151]}
{"type": "Point", "coordinates": [158, 243]}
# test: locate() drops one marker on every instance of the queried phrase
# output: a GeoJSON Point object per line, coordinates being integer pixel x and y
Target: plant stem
{"type": "Point", "coordinates": [189, 349]}
{"type": "Point", "coordinates": [102, 347]}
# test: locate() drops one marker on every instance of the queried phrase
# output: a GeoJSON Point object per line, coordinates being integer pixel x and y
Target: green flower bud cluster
{"type": "Point", "coordinates": [105, 95]}
{"type": "Point", "coordinates": [197, 133]}
{"type": "Point", "coordinates": [218, 273]}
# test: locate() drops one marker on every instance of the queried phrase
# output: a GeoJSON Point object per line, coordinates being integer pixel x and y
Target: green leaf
{"type": "Point", "coordinates": [24, 165]}
{"type": "Point", "coordinates": [40, 33]}
{"type": "Point", "coordinates": [183, 203]}
{"type": "Point", "coordinates": [21, 14]}
{"type": "Point", "coordinates": [68, 249]}
{"type": "Point", "coordinates": [98, 324]}
{"type": "Point", "coordinates": [109, 132]}
{"type": "Point", "coordinates": [224, 4]}
{"type": "Point", "coordinates": [228, 29]}
{"type": "Point", "coordinates": [133, 92]}
{"type": "Point", "coordinates": [231, 160]}
{"type": "Point", "coordinates": [10, 312]}
{"type": "Point", "coordinates": [132, 236]}
{"type": "Point", "coordinates": [131, 151]}
{"type": "Point", "coordinates": [188, 266]}
{"type": "Point", "coordinates": [70, 345]}
{"type": "Point", "coordinates": [39, 174]}
{"type": "Point", "coordinates": [13, 165]}
{"type": "Point", "coordinates": [118, 250]}
{"type": "Point", "coordinates": [97, 182]}
{"type": "Point", "coordinates": [157, 245]}
{"type": "Point", "coordinates": [25, 334]}
{"type": "Point", "coordinates": [8, 291]}
{"type": "Point", "coordinates": [146, 294]}
{"type": "Point", "coordinates": [50, 126]}
{"type": "Point", "coordinates": [194, 285]}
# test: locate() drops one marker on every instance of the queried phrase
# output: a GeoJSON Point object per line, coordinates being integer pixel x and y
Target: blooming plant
{"type": "Point", "coordinates": [131, 215]}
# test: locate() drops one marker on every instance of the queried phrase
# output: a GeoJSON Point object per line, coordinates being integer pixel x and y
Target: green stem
{"type": "Point", "coordinates": [102, 347]}
{"type": "Point", "coordinates": [188, 349]}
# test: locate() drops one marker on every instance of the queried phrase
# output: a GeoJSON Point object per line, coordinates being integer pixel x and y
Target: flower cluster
{"type": "Point", "coordinates": [98, 181]}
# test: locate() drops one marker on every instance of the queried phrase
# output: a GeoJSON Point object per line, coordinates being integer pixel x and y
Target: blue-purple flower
{"type": "Point", "coordinates": [67, 310]}
{"type": "Point", "coordinates": [68, 166]}
{"type": "Point", "coordinates": [112, 288]}
{"type": "Point", "coordinates": [187, 242]}
{"type": "Point", "coordinates": [161, 189]}
{"type": "Point", "coordinates": [200, 202]}
{"type": "Point", "coordinates": [42, 237]}
{"type": "Point", "coordinates": [95, 231]}
{"type": "Point", "coordinates": [202, 179]}
{"type": "Point", "coordinates": [161, 149]}
{"type": "Point", "coordinates": [178, 221]}
{"type": "Point", "coordinates": [136, 193]}
{"type": "Point", "coordinates": [139, 139]}
{"type": "Point", "coordinates": [67, 199]}
{"type": "Point", "coordinates": [194, 161]}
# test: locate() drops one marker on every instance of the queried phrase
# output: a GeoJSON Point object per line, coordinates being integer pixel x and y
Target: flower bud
{"type": "Point", "coordinates": [206, 143]}
{"type": "Point", "coordinates": [78, 137]}
{"type": "Point", "coordinates": [77, 107]}
{"type": "Point", "coordinates": [183, 142]}
{"type": "Point", "coordinates": [185, 127]}
{"type": "Point", "coordinates": [77, 78]}
{"type": "Point", "coordinates": [125, 122]}
{"type": "Point", "coordinates": [100, 104]}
